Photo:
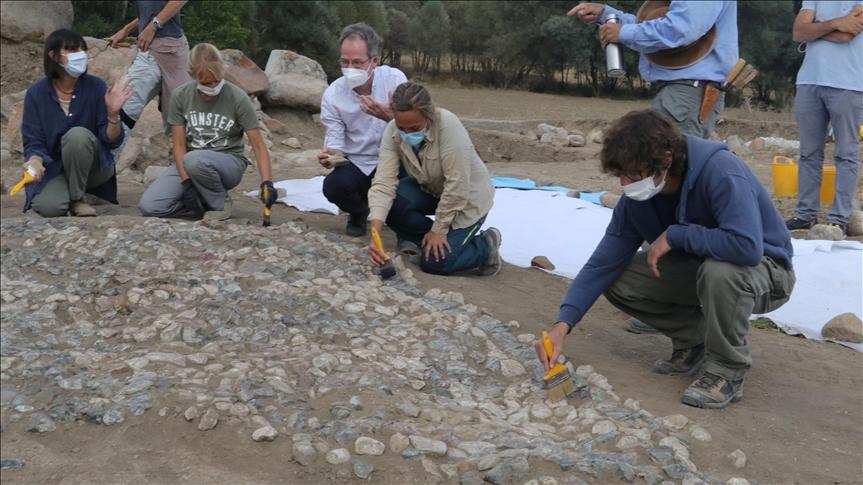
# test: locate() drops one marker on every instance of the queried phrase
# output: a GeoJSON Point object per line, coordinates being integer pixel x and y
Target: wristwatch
{"type": "Point", "coordinates": [156, 23]}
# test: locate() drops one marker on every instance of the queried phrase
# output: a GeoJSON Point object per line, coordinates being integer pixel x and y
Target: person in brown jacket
{"type": "Point", "coordinates": [428, 166]}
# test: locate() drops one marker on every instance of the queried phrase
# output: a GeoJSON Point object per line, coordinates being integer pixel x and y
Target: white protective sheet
{"type": "Point", "coordinates": [304, 194]}
{"type": "Point", "coordinates": [566, 231]}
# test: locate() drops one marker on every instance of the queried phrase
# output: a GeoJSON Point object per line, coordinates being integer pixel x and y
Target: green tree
{"type": "Point", "coordinates": [225, 24]}
{"type": "Point", "coordinates": [310, 28]}
{"type": "Point", "coordinates": [373, 13]}
{"type": "Point", "coordinates": [431, 36]}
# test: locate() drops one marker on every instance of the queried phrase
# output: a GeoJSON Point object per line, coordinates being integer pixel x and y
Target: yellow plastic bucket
{"type": "Point", "coordinates": [784, 177]}
{"type": "Point", "coordinates": [828, 184]}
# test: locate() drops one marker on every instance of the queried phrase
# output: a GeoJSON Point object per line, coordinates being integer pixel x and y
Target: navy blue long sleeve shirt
{"type": "Point", "coordinates": [44, 123]}
{"type": "Point", "coordinates": [722, 212]}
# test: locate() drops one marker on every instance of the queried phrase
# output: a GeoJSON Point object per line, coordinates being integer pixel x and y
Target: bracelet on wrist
{"type": "Point", "coordinates": [114, 121]}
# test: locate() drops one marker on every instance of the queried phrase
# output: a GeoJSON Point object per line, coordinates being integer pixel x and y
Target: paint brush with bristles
{"type": "Point", "coordinates": [558, 379]}
{"type": "Point", "coordinates": [387, 271]}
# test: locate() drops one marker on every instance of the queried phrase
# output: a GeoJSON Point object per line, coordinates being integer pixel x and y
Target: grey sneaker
{"type": "Point", "coordinates": [712, 392]}
{"type": "Point", "coordinates": [409, 251]}
{"type": "Point", "coordinates": [685, 362]}
{"type": "Point", "coordinates": [80, 208]}
{"type": "Point", "coordinates": [634, 325]}
{"type": "Point", "coordinates": [493, 263]}
{"type": "Point", "coordinates": [223, 214]}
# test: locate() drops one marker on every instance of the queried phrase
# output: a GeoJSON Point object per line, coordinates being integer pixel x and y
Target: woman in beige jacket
{"type": "Point", "coordinates": [428, 166]}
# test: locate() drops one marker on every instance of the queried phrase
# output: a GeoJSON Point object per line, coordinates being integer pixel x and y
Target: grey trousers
{"type": "Point", "coordinates": [683, 104]}
{"type": "Point", "coordinates": [815, 107]}
{"type": "Point", "coordinates": [212, 173]}
{"type": "Point", "coordinates": [703, 301]}
{"type": "Point", "coordinates": [81, 171]}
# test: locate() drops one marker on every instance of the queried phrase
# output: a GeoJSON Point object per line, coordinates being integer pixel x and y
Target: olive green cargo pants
{"type": "Point", "coordinates": [698, 300]}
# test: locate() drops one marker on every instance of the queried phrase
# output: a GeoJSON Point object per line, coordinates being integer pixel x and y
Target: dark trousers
{"type": "Point", "coordinates": [408, 219]}
{"type": "Point", "coordinates": [348, 187]}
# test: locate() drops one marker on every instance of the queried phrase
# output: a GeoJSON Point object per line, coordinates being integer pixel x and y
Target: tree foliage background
{"type": "Point", "coordinates": [517, 44]}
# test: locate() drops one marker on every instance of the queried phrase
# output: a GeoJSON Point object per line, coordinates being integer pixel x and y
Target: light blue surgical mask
{"type": "Point", "coordinates": [76, 63]}
{"type": "Point", "coordinates": [413, 139]}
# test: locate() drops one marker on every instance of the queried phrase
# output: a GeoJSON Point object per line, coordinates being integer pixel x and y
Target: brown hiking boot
{"type": "Point", "coordinates": [712, 392]}
{"type": "Point", "coordinates": [82, 209]}
{"type": "Point", "coordinates": [684, 362]}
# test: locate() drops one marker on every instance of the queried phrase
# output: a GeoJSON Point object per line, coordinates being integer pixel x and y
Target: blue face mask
{"type": "Point", "coordinates": [413, 139]}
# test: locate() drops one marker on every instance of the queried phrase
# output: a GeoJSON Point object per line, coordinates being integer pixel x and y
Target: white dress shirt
{"type": "Point", "coordinates": [349, 128]}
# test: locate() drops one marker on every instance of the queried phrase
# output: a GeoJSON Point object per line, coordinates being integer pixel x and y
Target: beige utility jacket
{"type": "Point", "coordinates": [448, 168]}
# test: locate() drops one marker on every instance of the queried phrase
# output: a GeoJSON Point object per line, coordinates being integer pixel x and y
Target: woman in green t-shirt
{"type": "Point", "coordinates": [208, 118]}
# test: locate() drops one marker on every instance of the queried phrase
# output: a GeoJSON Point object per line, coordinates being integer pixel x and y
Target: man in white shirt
{"type": "Point", "coordinates": [355, 110]}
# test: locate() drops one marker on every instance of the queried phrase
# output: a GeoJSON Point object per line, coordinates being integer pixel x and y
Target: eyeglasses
{"type": "Point", "coordinates": [355, 63]}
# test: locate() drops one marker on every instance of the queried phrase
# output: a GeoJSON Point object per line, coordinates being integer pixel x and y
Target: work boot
{"type": "Point", "coordinates": [683, 362]}
{"type": "Point", "coordinates": [493, 262]}
{"type": "Point", "coordinates": [798, 224]}
{"type": "Point", "coordinates": [223, 214]}
{"type": "Point", "coordinates": [634, 325]}
{"type": "Point", "coordinates": [357, 224]}
{"type": "Point", "coordinates": [712, 392]}
{"type": "Point", "coordinates": [409, 250]}
{"type": "Point", "coordinates": [80, 208]}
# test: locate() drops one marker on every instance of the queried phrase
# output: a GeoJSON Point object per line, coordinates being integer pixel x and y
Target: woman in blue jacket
{"type": "Point", "coordinates": [71, 122]}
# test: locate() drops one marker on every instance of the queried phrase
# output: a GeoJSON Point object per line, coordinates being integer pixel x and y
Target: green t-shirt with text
{"type": "Point", "coordinates": [217, 124]}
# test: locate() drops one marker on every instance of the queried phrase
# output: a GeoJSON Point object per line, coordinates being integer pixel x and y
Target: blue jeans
{"type": "Point", "coordinates": [815, 106]}
{"type": "Point", "coordinates": [408, 219]}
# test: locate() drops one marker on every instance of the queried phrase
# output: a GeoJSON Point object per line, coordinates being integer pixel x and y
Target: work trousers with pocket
{"type": "Point", "coordinates": [212, 173]}
{"type": "Point", "coordinates": [408, 219]}
{"type": "Point", "coordinates": [682, 104]}
{"type": "Point", "coordinates": [82, 170]}
{"type": "Point", "coordinates": [697, 300]}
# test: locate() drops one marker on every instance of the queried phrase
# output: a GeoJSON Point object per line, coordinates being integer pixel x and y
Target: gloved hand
{"type": "Point", "coordinates": [191, 198]}
{"type": "Point", "coordinates": [268, 196]}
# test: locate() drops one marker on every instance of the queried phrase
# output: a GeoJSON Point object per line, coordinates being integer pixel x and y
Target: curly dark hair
{"type": "Point", "coordinates": [637, 143]}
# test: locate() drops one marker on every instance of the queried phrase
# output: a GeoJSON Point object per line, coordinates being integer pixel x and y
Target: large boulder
{"type": "Point", "coordinates": [33, 20]}
{"type": "Point", "coordinates": [295, 81]}
{"type": "Point", "coordinates": [6, 103]}
{"type": "Point", "coordinates": [12, 133]}
{"type": "Point", "coordinates": [243, 72]}
{"type": "Point", "coordinates": [107, 62]}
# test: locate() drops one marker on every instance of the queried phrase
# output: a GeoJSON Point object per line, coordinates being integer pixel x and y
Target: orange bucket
{"type": "Point", "coordinates": [785, 179]}
{"type": "Point", "coordinates": [828, 184]}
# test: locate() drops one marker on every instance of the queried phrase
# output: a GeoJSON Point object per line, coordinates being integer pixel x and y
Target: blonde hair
{"type": "Point", "coordinates": [206, 57]}
{"type": "Point", "coordinates": [410, 96]}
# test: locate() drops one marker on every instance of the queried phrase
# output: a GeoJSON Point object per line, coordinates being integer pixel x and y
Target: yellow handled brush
{"type": "Point", "coordinates": [387, 270]}
{"type": "Point", "coordinates": [29, 176]}
{"type": "Point", "coordinates": [558, 379]}
{"type": "Point", "coordinates": [266, 196]}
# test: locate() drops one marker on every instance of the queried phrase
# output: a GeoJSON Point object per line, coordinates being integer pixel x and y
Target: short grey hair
{"type": "Point", "coordinates": [362, 30]}
{"type": "Point", "coordinates": [410, 96]}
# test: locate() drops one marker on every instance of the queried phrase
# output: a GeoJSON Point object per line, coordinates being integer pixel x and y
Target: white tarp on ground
{"type": "Point", "coordinates": [566, 231]}
{"type": "Point", "coordinates": [304, 194]}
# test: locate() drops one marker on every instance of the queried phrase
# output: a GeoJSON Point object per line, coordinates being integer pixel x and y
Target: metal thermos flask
{"type": "Point", "coordinates": [613, 54]}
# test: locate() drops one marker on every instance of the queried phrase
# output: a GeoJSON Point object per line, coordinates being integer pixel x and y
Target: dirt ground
{"type": "Point", "coordinates": [801, 420]}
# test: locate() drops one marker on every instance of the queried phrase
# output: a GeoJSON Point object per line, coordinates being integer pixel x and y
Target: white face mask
{"type": "Point", "coordinates": [76, 63]}
{"type": "Point", "coordinates": [355, 77]}
{"type": "Point", "coordinates": [645, 188]}
{"type": "Point", "coordinates": [214, 91]}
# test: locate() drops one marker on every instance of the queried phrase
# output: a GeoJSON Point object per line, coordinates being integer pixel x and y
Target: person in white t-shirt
{"type": "Point", "coordinates": [829, 90]}
{"type": "Point", "coordinates": [355, 110]}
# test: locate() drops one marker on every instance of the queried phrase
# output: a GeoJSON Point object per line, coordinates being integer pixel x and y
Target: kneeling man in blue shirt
{"type": "Point", "coordinates": [719, 252]}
